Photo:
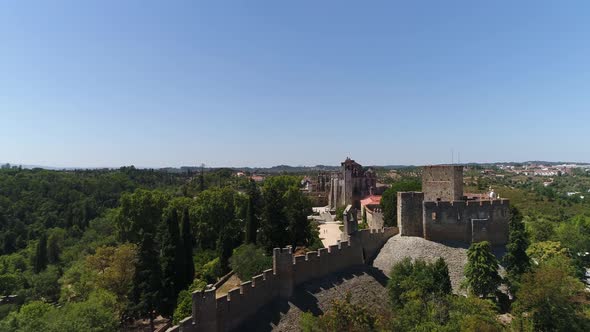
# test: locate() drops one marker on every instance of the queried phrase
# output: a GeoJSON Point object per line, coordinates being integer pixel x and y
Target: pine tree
{"type": "Point", "coordinates": [171, 259]}
{"type": "Point", "coordinates": [516, 260]}
{"type": "Point", "coordinates": [41, 255]}
{"type": "Point", "coordinates": [187, 244]}
{"type": "Point", "coordinates": [481, 271]}
{"type": "Point", "coordinates": [147, 282]}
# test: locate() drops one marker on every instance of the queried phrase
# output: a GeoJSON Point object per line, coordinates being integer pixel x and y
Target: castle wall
{"type": "Point", "coordinates": [466, 221]}
{"type": "Point", "coordinates": [409, 213]}
{"type": "Point", "coordinates": [228, 312]}
{"type": "Point", "coordinates": [444, 183]}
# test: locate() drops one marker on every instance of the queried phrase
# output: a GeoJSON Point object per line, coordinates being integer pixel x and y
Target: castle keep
{"type": "Point", "coordinates": [441, 212]}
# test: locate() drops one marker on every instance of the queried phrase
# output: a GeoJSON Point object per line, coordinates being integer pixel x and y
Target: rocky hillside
{"type": "Point", "coordinates": [399, 247]}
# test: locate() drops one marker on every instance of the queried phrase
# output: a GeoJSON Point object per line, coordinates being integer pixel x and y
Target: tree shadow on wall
{"type": "Point", "coordinates": [308, 297]}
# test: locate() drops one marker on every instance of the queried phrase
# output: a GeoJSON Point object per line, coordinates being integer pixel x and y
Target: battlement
{"type": "Point", "coordinates": [227, 312]}
{"type": "Point", "coordinates": [462, 204]}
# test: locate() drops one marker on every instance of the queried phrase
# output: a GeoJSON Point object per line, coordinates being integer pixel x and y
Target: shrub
{"type": "Point", "coordinates": [248, 260]}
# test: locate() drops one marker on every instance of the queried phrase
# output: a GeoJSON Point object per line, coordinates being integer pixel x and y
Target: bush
{"type": "Point", "coordinates": [418, 281]}
{"type": "Point", "coordinates": [340, 213]}
{"type": "Point", "coordinates": [248, 260]}
{"type": "Point", "coordinates": [184, 304]}
{"type": "Point", "coordinates": [343, 316]}
{"type": "Point", "coordinates": [210, 271]}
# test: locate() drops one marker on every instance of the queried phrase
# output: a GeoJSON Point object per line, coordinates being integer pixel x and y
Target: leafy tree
{"type": "Point", "coordinates": [44, 285]}
{"type": "Point", "coordinates": [41, 255]}
{"type": "Point", "coordinates": [284, 217]}
{"type": "Point", "coordinates": [389, 198]}
{"type": "Point", "coordinates": [187, 246]}
{"type": "Point", "coordinates": [99, 313]}
{"type": "Point", "coordinates": [213, 210]}
{"type": "Point", "coordinates": [540, 229]}
{"type": "Point", "coordinates": [418, 281]}
{"type": "Point", "coordinates": [10, 283]}
{"type": "Point", "coordinates": [77, 282]}
{"type": "Point", "coordinates": [248, 260]}
{"type": "Point", "coordinates": [31, 317]}
{"type": "Point", "coordinates": [481, 271]}
{"type": "Point", "coordinates": [574, 234]}
{"type": "Point", "coordinates": [543, 251]}
{"type": "Point", "coordinates": [551, 298]}
{"type": "Point", "coordinates": [343, 316]}
{"type": "Point", "coordinates": [211, 270]}
{"type": "Point", "coordinates": [147, 282]}
{"type": "Point", "coordinates": [114, 268]}
{"type": "Point", "coordinates": [140, 213]}
{"type": "Point", "coordinates": [472, 314]}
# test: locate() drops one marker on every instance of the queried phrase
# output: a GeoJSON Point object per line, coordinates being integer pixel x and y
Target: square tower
{"type": "Point", "coordinates": [442, 183]}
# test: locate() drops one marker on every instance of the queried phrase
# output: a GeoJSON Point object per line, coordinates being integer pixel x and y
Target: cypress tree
{"type": "Point", "coordinates": [172, 263]}
{"type": "Point", "coordinates": [147, 281]}
{"type": "Point", "coordinates": [41, 255]}
{"type": "Point", "coordinates": [516, 260]}
{"type": "Point", "coordinates": [224, 248]}
{"type": "Point", "coordinates": [251, 218]}
{"type": "Point", "coordinates": [440, 276]}
{"type": "Point", "coordinates": [187, 244]}
{"type": "Point", "coordinates": [53, 250]}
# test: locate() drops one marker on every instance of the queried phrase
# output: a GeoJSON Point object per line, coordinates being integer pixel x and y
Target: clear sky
{"type": "Point", "coordinates": [260, 83]}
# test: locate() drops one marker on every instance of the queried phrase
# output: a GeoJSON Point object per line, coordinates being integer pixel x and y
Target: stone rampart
{"type": "Point", "coordinates": [228, 312]}
{"type": "Point", "coordinates": [467, 221]}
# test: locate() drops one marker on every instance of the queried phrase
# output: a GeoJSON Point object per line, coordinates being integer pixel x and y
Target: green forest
{"type": "Point", "coordinates": [105, 250]}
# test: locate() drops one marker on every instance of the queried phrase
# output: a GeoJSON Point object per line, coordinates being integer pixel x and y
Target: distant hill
{"type": "Point", "coordinates": [289, 169]}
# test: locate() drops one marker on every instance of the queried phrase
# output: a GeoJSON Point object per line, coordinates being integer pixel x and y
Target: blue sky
{"type": "Point", "coordinates": [260, 83]}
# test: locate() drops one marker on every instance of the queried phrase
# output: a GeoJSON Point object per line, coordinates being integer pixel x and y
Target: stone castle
{"type": "Point", "coordinates": [350, 185]}
{"type": "Point", "coordinates": [441, 212]}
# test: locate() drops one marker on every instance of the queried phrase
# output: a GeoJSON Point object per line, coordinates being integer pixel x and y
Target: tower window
{"type": "Point", "coordinates": [433, 215]}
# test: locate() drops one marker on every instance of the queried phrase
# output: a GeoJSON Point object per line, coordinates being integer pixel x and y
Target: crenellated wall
{"type": "Point", "coordinates": [228, 312]}
{"type": "Point", "coordinates": [467, 221]}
